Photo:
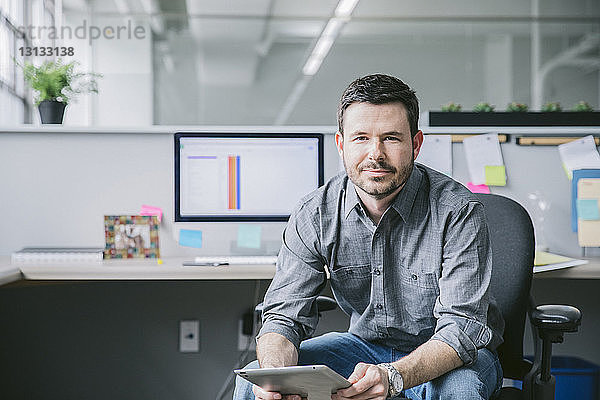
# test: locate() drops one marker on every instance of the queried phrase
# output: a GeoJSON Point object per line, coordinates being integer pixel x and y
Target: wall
{"type": "Point", "coordinates": [98, 340]}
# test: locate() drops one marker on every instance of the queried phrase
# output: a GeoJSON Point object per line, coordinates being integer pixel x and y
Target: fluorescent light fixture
{"type": "Point", "coordinates": [292, 100]}
{"type": "Point", "coordinates": [312, 66]}
{"type": "Point", "coordinates": [344, 8]}
{"type": "Point", "coordinates": [343, 11]}
{"type": "Point", "coordinates": [333, 27]}
{"type": "Point", "coordinates": [322, 47]}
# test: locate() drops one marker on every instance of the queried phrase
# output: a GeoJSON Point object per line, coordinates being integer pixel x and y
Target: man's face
{"type": "Point", "coordinates": [376, 148]}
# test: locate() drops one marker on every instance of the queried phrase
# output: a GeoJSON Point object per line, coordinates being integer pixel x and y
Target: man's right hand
{"type": "Point", "coordinates": [262, 394]}
{"type": "Point", "coordinates": [274, 350]}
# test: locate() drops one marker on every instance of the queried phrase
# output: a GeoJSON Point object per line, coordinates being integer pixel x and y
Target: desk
{"type": "Point", "coordinates": [9, 273]}
{"type": "Point", "coordinates": [172, 269]}
{"type": "Point", "coordinates": [591, 270]}
{"type": "Point", "coordinates": [133, 269]}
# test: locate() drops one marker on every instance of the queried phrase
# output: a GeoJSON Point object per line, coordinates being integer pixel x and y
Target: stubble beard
{"type": "Point", "coordinates": [376, 186]}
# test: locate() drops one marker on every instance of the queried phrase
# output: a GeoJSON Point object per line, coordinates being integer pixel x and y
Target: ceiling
{"type": "Point", "coordinates": [225, 36]}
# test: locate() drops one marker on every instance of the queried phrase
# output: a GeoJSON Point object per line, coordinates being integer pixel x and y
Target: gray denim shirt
{"type": "Point", "coordinates": [422, 273]}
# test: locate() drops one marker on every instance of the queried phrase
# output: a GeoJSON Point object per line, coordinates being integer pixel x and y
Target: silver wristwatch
{"type": "Point", "coordinates": [395, 379]}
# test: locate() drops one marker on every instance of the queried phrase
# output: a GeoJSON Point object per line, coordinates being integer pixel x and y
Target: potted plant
{"type": "Point", "coordinates": [483, 107]}
{"type": "Point", "coordinates": [553, 106]}
{"type": "Point", "coordinates": [582, 106]}
{"type": "Point", "coordinates": [451, 107]}
{"type": "Point", "coordinates": [56, 84]}
{"type": "Point", "coordinates": [516, 107]}
{"type": "Point", "coordinates": [516, 114]}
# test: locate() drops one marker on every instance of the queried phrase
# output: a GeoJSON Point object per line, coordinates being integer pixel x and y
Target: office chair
{"type": "Point", "coordinates": [324, 303]}
{"type": "Point", "coordinates": [513, 250]}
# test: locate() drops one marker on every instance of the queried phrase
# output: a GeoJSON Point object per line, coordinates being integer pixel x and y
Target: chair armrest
{"type": "Point", "coordinates": [325, 303]}
{"type": "Point", "coordinates": [552, 317]}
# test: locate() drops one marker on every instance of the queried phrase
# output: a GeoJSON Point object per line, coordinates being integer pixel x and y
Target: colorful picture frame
{"type": "Point", "coordinates": [131, 236]}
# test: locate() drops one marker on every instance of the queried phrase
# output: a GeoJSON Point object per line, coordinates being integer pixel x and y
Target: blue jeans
{"type": "Point", "coordinates": [342, 351]}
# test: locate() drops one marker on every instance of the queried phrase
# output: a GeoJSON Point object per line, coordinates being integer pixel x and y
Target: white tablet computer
{"type": "Point", "coordinates": [312, 381]}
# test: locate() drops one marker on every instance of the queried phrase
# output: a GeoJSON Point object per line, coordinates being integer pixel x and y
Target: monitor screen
{"type": "Point", "coordinates": [244, 176]}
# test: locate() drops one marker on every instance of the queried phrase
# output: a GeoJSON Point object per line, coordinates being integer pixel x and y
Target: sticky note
{"type": "Point", "coordinates": [151, 210]}
{"type": "Point", "coordinates": [190, 238]}
{"type": "Point", "coordinates": [249, 236]}
{"type": "Point", "coordinates": [587, 209]}
{"type": "Point", "coordinates": [495, 175]}
{"type": "Point", "coordinates": [478, 188]}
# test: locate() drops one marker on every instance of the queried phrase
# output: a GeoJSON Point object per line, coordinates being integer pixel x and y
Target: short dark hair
{"type": "Point", "coordinates": [380, 89]}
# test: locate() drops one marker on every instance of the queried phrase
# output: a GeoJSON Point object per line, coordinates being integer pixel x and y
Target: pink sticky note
{"type": "Point", "coordinates": [150, 210]}
{"type": "Point", "coordinates": [478, 188]}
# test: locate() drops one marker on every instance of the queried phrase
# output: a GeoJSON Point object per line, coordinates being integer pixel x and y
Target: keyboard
{"type": "Point", "coordinates": [222, 260]}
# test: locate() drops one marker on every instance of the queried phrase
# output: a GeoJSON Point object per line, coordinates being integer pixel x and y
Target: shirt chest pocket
{"type": "Point", "coordinates": [419, 291]}
{"type": "Point", "coordinates": [352, 286]}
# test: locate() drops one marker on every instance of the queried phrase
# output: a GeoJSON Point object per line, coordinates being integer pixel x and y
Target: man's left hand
{"type": "Point", "coordinates": [369, 381]}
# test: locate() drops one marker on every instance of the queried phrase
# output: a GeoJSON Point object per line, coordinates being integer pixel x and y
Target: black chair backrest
{"type": "Point", "coordinates": [513, 250]}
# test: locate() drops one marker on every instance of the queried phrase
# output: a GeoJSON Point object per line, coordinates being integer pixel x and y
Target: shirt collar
{"type": "Point", "coordinates": [352, 200]}
{"type": "Point", "coordinates": [403, 202]}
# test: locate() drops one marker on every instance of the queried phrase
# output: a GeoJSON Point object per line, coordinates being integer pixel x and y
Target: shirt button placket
{"type": "Point", "coordinates": [377, 281]}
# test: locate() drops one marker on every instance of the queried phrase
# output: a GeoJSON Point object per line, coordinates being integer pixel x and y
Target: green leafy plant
{"type": "Point", "coordinates": [552, 107]}
{"type": "Point", "coordinates": [56, 81]}
{"type": "Point", "coordinates": [451, 107]}
{"type": "Point", "coordinates": [483, 107]}
{"type": "Point", "coordinates": [517, 107]}
{"type": "Point", "coordinates": [582, 106]}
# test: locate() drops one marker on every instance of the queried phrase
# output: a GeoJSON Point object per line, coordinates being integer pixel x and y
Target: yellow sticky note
{"type": "Point", "coordinates": [495, 175]}
{"type": "Point", "coordinates": [545, 258]}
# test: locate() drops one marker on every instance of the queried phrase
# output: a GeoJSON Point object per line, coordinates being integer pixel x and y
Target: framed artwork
{"type": "Point", "coordinates": [131, 236]}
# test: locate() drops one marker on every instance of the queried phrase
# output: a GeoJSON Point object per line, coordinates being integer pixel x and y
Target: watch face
{"type": "Point", "coordinates": [397, 383]}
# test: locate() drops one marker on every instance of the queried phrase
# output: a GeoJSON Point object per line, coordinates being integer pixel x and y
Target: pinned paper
{"type": "Point", "coordinates": [579, 154]}
{"type": "Point", "coordinates": [151, 210]}
{"type": "Point", "coordinates": [495, 175]}
{"type": "Point", "coordinates": [568, 172]}
{"type": "Point", "coordinates": [587, 209]}
{"type": "Point", "coordinates": [478, 188]}
{"type": "Point", "coordinates": [190, 238]}
{"type": "Point", "coordinates": [436, 153]}
{"type": "Point", "coordinates": [249, 236]}
{"type": "Point", "coordinates": [482, 151]}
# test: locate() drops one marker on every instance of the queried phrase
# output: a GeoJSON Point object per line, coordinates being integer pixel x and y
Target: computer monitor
{"type": "Point", "coordinates": [244, 176]}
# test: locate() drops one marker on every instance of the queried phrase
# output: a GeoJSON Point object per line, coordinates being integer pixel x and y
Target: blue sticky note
{"type": "Point", "coordinates": [249, 236]}
{"type": "Point", "coordinates": [190, 238]}
{"type": "Point", "coordinates": [587, 209]}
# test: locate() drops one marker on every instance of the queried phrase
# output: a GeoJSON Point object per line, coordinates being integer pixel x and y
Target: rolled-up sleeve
{"type": "Point", "coordinates": [289, 306]}
{"type": "Point", "coordinates": [461, 309]}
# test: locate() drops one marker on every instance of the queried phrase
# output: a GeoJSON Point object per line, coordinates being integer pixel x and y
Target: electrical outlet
{"type": "Point", "coordinates": [189, 336]}
{"type": "Point", "coordinates": [246, 341]}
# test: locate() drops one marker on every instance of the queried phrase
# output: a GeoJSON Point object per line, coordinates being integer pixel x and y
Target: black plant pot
{"type": "Point", "coordinates": [51, 111]}
{"type": "Point", "coordinates": [502, 118]}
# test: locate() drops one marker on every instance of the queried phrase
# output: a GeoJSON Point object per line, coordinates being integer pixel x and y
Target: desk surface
{"type": "Point", "coordinates": [142, 269]}
{"type": "Point", "coordinates": [172, 269]}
